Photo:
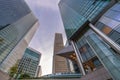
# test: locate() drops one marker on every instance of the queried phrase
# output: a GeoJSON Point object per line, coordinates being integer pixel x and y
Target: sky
{"type": "Point", "coordinates": [48, 14]}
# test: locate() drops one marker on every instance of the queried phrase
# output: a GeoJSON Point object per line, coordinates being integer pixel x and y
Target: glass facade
{"type": "Point", "coordinates": [91, 46]}
{"type": "Point", "coordinates": [16, 20]}
{"type": "Point", "coordinates": [11, 11]}
{"type": "Point", "coordinates": [76, 12]}
{"type": "Point", "coordinates": [29, 63]}
{"type": "Point", "coordinates": [106, 55]}
{"type": "Point", "coordinates": [85, 50]}
{"type": "Point", "coordinates": [111, 27]}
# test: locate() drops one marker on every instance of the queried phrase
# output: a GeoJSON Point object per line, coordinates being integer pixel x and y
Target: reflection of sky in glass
{"type": "Point", "coordinates": [10, 13]}
{"type": "Point", "coordinates": [113, 15]}
{"type": "Point", "coordinates": [76, 12]}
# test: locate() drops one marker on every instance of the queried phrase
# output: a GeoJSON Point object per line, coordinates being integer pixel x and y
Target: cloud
{"type": "Point", "coordinates": [50, 22]}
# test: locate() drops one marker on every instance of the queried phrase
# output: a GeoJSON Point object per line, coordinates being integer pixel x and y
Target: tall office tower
{"type": "Point", "coordinates": [17, 27]}
{"type": "Point", "coordinates": [93, 29]}
{"type": "Point", "coordinates": [29, 62]}
{"type": "Point", "coordinates": [59, 63]}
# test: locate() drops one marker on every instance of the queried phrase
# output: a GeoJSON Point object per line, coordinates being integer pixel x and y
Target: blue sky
{"type": "Point", "coordinates": [47, 12]}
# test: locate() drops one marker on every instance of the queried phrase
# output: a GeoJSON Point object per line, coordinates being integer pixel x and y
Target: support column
{"type": "Point", "coordinates": [79, 57]}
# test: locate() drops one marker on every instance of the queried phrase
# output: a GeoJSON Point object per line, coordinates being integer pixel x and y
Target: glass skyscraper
{"type": "Point", "coordinates": [17, 26]}
{"type": "Point", "coordinates": [79, 12]}
{"type": "Point", "coordinates": [29, 62]}
{"type": "Point", "coordinates": [92, 27]}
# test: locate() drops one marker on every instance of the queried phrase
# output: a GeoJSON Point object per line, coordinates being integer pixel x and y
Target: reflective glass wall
{"type": "Point", "coordinates": [16, 20]}
{"type": "Point", "coordinates": [76, 12]}
{"type": "Point", "coordinates": [11, 11]}
{"type": "Point", "coordinates": [11, 36]}
{"type": "Point", "coordinates": [109, 23]}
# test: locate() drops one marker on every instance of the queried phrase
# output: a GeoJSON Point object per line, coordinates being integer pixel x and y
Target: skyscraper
{"type": "Point", "coordinates": [92, 27]}
{"type": "Point", "coordinates": [17, 27]}
{"type": "Point", "coordinates": [79, 12]}
{"type": "Point", "coordinates": [29, 62]}
{"type": "Point", "coordinates": [59, 63]}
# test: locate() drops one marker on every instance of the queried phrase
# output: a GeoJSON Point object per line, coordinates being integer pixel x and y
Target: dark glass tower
{"type": "Point", "coordinates": [11, 11]}
{"type": "Point", "coordinates": [17, 26]}
{"type": "Point", "coordinates": [79, 12]}
{"type": "Point", "coordinates": [92, 27]}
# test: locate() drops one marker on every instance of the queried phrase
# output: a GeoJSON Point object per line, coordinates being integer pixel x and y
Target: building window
{"type": "Point", "coordinates": [97, 63]}
{"type": "Point", "coordinates": [106, 30]}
